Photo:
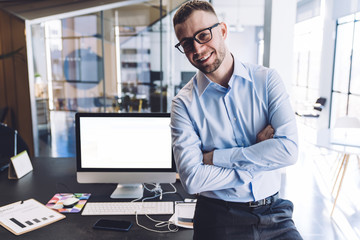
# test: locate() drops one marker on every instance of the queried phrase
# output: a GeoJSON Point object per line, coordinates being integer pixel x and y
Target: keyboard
{"type": "Point", "coordinates": [128, 208]}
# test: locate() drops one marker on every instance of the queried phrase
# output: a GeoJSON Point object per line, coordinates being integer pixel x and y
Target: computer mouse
{"type": "Point", "coordinates": [70, 202]}
{"type": "Point", "coordinates": [57, 206]}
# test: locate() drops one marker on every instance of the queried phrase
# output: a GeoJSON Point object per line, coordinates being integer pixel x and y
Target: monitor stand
{"type": "Point", "coordinates": [128, 191]}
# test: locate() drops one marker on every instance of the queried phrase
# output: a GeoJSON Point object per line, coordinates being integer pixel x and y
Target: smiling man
{"type": "Point", "coordinates": [233, 131]}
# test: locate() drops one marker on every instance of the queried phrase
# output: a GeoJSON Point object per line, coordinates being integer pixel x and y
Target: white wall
{"type": "Point", "coordinates": [327, 58]}
{"type": "Point", "coordinates": [279, 37]}
{"type": "Point", "coordinates": [243, 45]}
{"type": "Point", "coordinates": [342, 8]}
{"type": "Point", "coordinates": [244, 12]}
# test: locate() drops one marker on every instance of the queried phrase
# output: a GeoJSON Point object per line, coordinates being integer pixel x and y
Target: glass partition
{"type": "Point", "coordinates": [114, 59]}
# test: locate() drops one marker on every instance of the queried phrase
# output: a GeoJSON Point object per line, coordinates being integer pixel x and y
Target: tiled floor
{"type": "Point", "coordinates": [307, 184]}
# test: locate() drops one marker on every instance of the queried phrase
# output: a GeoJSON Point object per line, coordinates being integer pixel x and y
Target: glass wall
{"type": "Point", "coordinates": [105, 61]}
{"type": "Point", "coordinates": [345, 99]}
{"type": "Point", "coordinates": [115, 60]}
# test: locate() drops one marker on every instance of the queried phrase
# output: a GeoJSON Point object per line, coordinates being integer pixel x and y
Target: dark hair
{"type": "Point", "coordinates": [187, 8]}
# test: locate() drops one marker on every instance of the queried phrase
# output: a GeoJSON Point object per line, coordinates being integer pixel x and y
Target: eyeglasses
{"type": "Point", "coordinates": [202, 36]}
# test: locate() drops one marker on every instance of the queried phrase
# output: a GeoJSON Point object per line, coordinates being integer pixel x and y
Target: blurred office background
{"type": "Point", "coordinates": [62, 57]}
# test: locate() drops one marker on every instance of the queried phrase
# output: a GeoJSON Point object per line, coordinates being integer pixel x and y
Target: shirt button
{"type": "Point", "coordinates": [234, 119]}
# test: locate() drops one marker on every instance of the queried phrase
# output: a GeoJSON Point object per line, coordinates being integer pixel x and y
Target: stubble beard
{"type": "Point", "coordinates": [216, 63]}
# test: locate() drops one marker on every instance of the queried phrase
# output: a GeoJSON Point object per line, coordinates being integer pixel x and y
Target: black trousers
{"type": "Point", "coordinates": [221, 220]}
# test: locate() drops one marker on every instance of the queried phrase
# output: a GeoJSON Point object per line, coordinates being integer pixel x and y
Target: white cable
{"type": "Point", "coordinates": [175, 190]}
{"type": "Point", "coordinates": [157, 190]}
{"type": "Point", "coordinates": [159, 224]}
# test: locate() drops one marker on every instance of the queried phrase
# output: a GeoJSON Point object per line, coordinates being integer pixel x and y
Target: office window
{"type": "Point", "coordinates": [306, 64]}
{"type": "Point", "coordinates": [346, 80]}
{"type": "Point", "coordinates": [343, 57]}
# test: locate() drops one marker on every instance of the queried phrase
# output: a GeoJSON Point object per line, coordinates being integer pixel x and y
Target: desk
{"type": "Point", "coordinates": [344, 146]}
{"type": "Point", "coordinates": [41, 185]}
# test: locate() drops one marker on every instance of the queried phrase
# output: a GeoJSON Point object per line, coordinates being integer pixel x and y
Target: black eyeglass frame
{"type": "Point", "coordinates": [194, 37]}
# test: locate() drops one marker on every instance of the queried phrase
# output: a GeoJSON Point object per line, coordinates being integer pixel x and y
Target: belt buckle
{"type": "Point", "coordinates": [257, 203]}
{"type": "Point", "coordinates": [265, 201]}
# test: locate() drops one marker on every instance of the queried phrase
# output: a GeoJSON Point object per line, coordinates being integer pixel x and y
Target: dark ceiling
{"type": "Point", "coordinates": [33, 9]}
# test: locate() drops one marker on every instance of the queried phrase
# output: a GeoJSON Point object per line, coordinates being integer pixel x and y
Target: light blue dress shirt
{"type": "Point", "coordinates": [206, 116]}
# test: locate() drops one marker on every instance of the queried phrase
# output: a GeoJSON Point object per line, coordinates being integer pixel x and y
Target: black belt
{"type": "Point", "coordinates": [254, 204]}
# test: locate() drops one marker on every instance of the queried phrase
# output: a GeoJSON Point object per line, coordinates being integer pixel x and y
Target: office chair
{"type": "Point", "coordinates": [317, 108]}
{"type": "Point", "coordinates": [7, 135]}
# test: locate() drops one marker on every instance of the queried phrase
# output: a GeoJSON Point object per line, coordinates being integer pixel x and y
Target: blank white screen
{"type": "Point", "coordinates": [125, 142]}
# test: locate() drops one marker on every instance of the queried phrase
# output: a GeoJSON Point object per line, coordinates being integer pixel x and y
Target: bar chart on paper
{"type": "Point", "coordinates": [26, 216]}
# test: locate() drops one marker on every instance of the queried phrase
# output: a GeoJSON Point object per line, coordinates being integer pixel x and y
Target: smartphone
{"type": "Point", "coordinates": [117, 225]}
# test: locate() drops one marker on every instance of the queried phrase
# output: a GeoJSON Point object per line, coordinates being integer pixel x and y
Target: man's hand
{"type": "Point", "coordinates": [265, 134]}
{"type": "Point", "coordinates": [208, 158]}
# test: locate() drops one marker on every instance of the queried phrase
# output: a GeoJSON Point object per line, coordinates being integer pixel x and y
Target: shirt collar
{"type": "Point", "coordinates": [239, 71]}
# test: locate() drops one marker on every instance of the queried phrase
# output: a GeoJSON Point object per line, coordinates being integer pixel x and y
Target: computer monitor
{"type": "Point", "coordinates": [124, 148]}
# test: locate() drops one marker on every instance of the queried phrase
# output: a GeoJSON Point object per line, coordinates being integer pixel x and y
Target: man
{"type": "Point", "coordinates": [215, 119]}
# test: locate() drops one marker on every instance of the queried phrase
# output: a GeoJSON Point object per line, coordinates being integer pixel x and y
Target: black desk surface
{"type": "Point", "coordinates": [41, 184]}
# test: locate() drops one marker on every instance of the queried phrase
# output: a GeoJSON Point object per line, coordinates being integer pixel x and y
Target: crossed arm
{"type": "Point", "coordinates": [266, 133]}
{"type": "Point", "coordinates": [224, 168]}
